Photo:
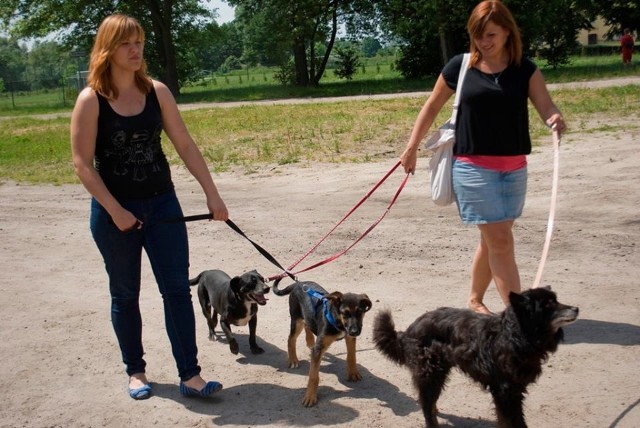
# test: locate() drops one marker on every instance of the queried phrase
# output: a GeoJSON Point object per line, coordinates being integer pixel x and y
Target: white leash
{"type": "Point", "coordinates": [552, 208]}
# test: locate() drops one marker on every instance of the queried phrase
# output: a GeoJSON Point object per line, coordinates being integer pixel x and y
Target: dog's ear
{"type": "Point", "coordinates": [365, 303]}
{"type": "Point", "coordinates": [236, 284]}
{"type": "Point", "coordinates": [516, 300]}
{"type": "Point", "coordinates": [335, 297]}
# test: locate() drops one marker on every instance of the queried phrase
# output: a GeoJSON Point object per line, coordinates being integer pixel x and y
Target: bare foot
{"type": "Point", "coordinates": [195, 382]}
{"type": "Point", "coordinates": [479, 308]}
{"type": "Point", "coordinates": [138, 380]}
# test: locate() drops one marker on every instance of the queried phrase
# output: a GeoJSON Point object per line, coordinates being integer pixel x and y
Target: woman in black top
{"type": "Point", "coordinates": [115, 140]}
{"type": "Point", "coordinates": [492, 141]}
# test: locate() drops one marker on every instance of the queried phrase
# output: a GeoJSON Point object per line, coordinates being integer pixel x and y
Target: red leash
{"type": "Point", "coordinates": [288, 271]}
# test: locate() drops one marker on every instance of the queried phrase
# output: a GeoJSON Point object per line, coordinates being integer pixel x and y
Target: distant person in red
{"type": "Point", "coordinates": [626, 43]}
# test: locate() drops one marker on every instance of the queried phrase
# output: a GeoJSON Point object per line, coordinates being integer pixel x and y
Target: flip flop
{"type": "Point", "coordinates": [206, 391]}
{"type": "Point", "coordinates": [141, 393]}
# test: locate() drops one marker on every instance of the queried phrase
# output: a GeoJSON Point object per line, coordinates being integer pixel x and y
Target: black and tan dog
{"type": "Point", "coordinates": [328, 316]}
{"type": "Point", "coordinates": [503, 353]}
{"type": "Point", "coordinates": [235, 299]}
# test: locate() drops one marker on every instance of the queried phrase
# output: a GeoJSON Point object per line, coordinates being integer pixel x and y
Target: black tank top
{"type": "Point", "coordinates": [129, 155]}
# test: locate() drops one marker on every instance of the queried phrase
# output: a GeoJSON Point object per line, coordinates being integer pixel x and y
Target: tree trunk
{"type": "Point", "coordinates": [161, 17]}
{"type": "Point", "coordinates": [323, 65]}
{"type": "Point", "coordinates": [300, 59]}
{"type": "Point", "coordinates": [444, 49]}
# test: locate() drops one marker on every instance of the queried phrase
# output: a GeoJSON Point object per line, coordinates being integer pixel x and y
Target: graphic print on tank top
{"type": "Point", "coordinates": [134, 153]}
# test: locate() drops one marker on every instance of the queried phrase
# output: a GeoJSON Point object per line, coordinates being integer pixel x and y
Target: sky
{"type": "Point", "coordinates": [225, 12]}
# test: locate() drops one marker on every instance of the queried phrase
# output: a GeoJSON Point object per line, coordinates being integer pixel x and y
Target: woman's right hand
{"type": "Point", "coordinates": [125, 221]}
{"type": "Point", "coordinates": [409, 160]}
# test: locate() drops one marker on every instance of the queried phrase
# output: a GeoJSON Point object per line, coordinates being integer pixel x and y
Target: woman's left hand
{"type": "Point", "coordinates": [218, 208]}
{"type": "Point", "coordinates": [556, 122]}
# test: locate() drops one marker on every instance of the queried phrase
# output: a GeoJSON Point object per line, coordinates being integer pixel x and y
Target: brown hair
{"type": "Point", "coordinates": [496, 12]}
{"type": "Point", "coordinates": [112, 31]}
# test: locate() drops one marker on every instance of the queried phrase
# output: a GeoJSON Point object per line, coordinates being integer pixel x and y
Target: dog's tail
{"type": "Point", "coordinates": [284, 292]}
{"type": "Point", "coordinates": [386, 339]}
{"type": "Point", "coordinates": [196, 280]}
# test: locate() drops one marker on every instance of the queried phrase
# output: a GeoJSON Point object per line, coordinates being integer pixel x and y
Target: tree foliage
{"type": "Point", "coordinates": [619, 14]}
{"type": "Point", "coordinates": [12, 60]}
{"type": "Point", "coordinates": [348, 61]}
{"type": "Point", "coordinates": [282, 28]}
{"type": "Point", "coordinates": [430, 32]}
{"type": "Point", "coordinates": [170, 25]}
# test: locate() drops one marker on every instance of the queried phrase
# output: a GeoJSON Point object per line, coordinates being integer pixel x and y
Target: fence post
{"type": "Point", "coordinates": [64, 100]}
{"type": "Point", "coordinates": [13, 101]}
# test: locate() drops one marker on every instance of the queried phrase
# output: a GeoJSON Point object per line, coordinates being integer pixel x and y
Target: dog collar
{"type": "Point", "coordinates": [325, 308]}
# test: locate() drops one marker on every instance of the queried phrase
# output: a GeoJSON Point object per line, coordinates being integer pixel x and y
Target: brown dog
{"type": "Point", "coordinates": [328, 316]}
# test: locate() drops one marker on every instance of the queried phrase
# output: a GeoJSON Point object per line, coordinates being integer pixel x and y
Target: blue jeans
{"type": "Point", "coordinates": [167, 247]}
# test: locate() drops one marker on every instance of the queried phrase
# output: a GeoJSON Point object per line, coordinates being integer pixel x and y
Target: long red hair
{"type": "Point", "coordinates": [494, 11]}
{"type": "Point", "coordinates": [112, 31]}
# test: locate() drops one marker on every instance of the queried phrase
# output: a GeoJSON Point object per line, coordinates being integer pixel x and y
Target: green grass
{"type": "Point", "coordinates": [246, 138]}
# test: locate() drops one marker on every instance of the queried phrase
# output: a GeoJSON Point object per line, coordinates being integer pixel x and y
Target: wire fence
{"type": "Point", "coordinates": [54, 92]}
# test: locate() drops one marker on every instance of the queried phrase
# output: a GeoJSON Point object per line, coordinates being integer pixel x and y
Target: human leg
{"type": "Point", "coordinates": [480, 278]}
{"type": "Point", "coordinates": [121, 252]}
{"type": "Point", "coordinates": [167, 248]}
{"type": "Point", "coordinates": [492, 200]}
{"type": "Point", "coordinates": [501, 257]}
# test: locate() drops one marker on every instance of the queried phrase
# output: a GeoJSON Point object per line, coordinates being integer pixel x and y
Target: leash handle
{"type": "Point", "coordinates": [552, 207]}
{"type": "Point", "coordinates": [197, 217]}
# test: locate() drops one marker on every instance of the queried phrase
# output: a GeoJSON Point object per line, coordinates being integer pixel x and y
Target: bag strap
{"type": "Point", "coordinates": [463, 72]}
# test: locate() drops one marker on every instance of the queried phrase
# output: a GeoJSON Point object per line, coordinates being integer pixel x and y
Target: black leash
{"type": "Point", "coordinates": [233, 226]}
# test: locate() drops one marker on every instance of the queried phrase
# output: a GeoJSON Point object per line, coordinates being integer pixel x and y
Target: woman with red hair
{"type": "Point", "coordinates": [116, 127]}
{"type": "Point", "coordinates": [492, 141]}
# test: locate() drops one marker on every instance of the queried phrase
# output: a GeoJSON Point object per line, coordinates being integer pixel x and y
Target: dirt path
{"type": "Point", "coordinates": [60, 364]}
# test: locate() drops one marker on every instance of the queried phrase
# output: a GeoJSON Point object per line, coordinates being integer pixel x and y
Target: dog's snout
{"type": "Point", "coordinates": [354, 329]}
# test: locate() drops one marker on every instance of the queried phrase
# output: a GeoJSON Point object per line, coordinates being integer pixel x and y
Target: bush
{"type": "Point", "coordinates": [347, 63]}
{"type": "Point", "coordinates": [286, 74]}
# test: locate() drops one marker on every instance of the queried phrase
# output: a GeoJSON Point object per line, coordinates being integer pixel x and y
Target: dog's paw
{"type": "Point", "coordinates": [309, 400]}
{"type": "Point", "coordinates": [354, 377]}
{"type": "Point", "coordinates": [233, 346]}
{"type": "Point", "coordinates": [257, 350]}
{"type": "Point", "coordinates": [294, 364]}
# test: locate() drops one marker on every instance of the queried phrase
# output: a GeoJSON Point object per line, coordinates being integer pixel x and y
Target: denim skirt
{"type": "Point", "coordinates": [487, 196]}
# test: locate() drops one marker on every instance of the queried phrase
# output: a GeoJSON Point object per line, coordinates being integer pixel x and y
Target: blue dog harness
{"type": "Point", "coordinates": [325, 306]}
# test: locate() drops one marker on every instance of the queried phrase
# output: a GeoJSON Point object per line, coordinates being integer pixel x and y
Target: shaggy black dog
{"type": "Point", "coordinates": [503, 353]}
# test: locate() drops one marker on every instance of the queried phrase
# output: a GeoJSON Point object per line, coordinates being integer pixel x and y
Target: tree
{"type": "Point", "coordinates": [430, 32]}
{"type": "Point", "coordinates": [287, 28]}
{"type": "Point", "coordinates": [12, 60]}
{"type": "Point", "coordinates": [558, 38]}
{"type": "Point", "coordinates": [170, 26]}
{"type": "Point", "coordinates": [370, 47]}
{"type": "Point", "coordinates": [348, 62]}
{"type": "Point", "coordinates": [619, 14]}
{"type": "Point", "coordinates": [46, 60]}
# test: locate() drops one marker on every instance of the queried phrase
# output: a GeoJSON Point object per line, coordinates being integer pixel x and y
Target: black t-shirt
{"type": "Point", "coordinates": [129, 155]}
{"type": "Point", "coordinates": [493, 118]}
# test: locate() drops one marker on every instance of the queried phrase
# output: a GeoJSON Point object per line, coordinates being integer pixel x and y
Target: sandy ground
{"type": "Point", "coordinates": [60, 363]}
